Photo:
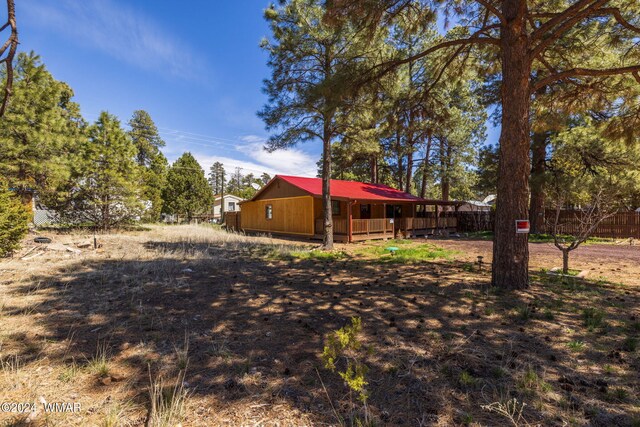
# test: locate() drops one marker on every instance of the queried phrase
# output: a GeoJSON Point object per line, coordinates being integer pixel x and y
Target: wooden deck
{"type": "Point", "coordinates": [385, 228]}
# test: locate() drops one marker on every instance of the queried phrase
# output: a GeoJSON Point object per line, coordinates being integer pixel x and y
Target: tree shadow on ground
{"type": "Point", "coordinates": [443, 342]}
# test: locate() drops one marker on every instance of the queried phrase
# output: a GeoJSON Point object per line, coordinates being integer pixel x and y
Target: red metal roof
{"type": "Point", "coordinates": [351, 189]}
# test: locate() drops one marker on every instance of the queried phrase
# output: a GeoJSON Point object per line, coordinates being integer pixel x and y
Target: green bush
{"type": "Point", "coordinates": [344, 343]}
{"type": "Point", "coordinates": [14, 219]}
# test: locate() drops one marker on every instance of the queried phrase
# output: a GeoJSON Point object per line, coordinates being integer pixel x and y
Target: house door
{"type": "Point", "coordinates": [394, 211]}
{"type": "Point", "coordinates": [365, 211]}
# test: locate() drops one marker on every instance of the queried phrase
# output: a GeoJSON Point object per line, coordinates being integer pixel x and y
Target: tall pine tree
{"type": "Point", "coordinates": [105, 188]}
{"type": "Point", "coordinates": [40, 130]}
{"type": "Point", "coordinates": [147, 141]}
{"type": "Point", "coordinates": [537, 45]}
{"type": "Point", "coordinates": [311, 72]}
{"type": "Point", "coordinates": [187, 191]}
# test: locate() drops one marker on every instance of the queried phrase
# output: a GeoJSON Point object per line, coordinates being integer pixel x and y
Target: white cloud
{"type": "Point", "coordinates": [291, 161]}
{"type": "Point", "coordinates": [117, 30]}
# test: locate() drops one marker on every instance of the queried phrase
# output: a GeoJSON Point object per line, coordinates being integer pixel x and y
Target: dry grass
{"type": "Point", "coordinates": [232, 328]}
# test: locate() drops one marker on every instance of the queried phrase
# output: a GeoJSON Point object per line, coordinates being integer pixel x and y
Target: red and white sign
{"type": "Point", "coordinates": [522, 225]}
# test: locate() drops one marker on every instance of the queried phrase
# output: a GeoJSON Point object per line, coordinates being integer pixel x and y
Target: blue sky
{"type": "Point", "coordinates": [194, 66]}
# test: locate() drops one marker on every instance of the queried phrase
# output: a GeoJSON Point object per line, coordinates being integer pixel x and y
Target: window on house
{"type": "Point", "coordinates": [232, 206]}
{"type": "Point", "coordinates": [335, 207]}
{"type": "Point", "coordinates": [268, 212]}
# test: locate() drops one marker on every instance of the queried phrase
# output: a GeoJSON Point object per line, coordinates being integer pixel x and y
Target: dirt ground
{"type": "Point", "coordinates": [609, 262]}
{"type": "Point", "coordinates": [235, 326]}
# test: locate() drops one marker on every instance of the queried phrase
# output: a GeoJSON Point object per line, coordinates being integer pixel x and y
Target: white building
{"type": "Point", "coordinates": [231, 204]}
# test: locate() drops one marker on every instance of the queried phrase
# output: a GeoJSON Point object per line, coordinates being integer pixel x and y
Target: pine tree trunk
{"type": "Point", "coordinates": [407, 187]}
{"type": "Point", "coordinates": [425, 168]}
{"type": "Point", "coordinates": [399, 160]}
{"type": "Point", "coordinates": [538, 155]}
{"type": "Point", "coordinates": [374, 169]}
{"type": "Point", "coordinates": [444, 171]}
{"type": "Point", "coordinates": [327, 240]}
{"type": "Point", "coordinates": [510, 250]}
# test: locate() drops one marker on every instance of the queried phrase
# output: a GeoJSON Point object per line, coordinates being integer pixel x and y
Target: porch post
{"type": "Point", "coordinates": [413, 220]}
{"type": "Point", "coordinates": [350, 221]}
{"type": "Point", "coordinates": [384, 216]}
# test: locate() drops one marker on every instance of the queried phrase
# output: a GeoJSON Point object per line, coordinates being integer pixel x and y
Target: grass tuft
{"type": "Point", "coordinates": [99, 363]}
{"type": "Point", "coordinates": [167, 403]}
{"type": "Point", "coordinates": [593, 318]}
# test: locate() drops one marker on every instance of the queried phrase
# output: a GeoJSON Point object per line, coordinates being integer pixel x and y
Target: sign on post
{"type": "Point", "coordinates": [522, 226]}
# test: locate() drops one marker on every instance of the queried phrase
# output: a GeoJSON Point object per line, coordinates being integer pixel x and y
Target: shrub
{"type": "Point", "coordinates": [593, 318]}
{"type": "Point", "coordinates": [344, 343]}
{"type": "Point", "coordinates": [630, 344]}
{"type": "Point", "coordinates": [14, 219]}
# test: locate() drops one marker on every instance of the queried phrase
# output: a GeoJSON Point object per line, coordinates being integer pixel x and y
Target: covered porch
{"type": "Point", "coordinates": [357, 220]}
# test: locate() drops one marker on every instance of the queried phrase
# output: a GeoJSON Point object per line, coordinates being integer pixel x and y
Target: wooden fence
{"type": "Point", "coordinates": [622, 225]}
{"type": "Point", "coordinates": [619, 226]}
{"type": "Point", "coordinates": [232, 220]}
{"type": "Point", "coordinates": [469, 222]}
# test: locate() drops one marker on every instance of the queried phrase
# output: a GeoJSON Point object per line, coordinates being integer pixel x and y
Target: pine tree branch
{"type": "Point", "coordinates": [558, 18]}
{"type": "Point", "coordinates": [493, 9]}
{"type": "Point", "coordinates": [617, 15]}
{"type": "Point", "coordinates": [564, 26]}
{"type": "Point", "coordinates": [585, 72]}
{"type": "Point", "coordinates": [474, 39]}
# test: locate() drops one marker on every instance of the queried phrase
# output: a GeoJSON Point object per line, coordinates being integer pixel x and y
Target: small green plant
{"type": "Point", "coordinates": [345, 345]}
{"type": "Point", "coordinates": [488, 311]}
{"type": "Point", "coordinates": [69, 372]}
{"type": "Point", "coordinates": [99, 363]}
{"type": "Point", "coordinates": [547, 314]}
{"type": "Point", "coordinates": [14, 219]}
{"type": "Point", "coordinates": [620, 394]}
{"type": "Point", "coordinates": [466, 379]}
{"type": "Point", "coordinates": [467, 419]}
{"type": "Point", "coordinates": [630, 344]}
{"type": "Point", "coordinates": [576, 345]}
{"type": "Point", "coordinates": [524, 313]}
{"type": "Point", "coordinates": [593, 318]}
{"type": "Point", "coordinates": [532, 381]}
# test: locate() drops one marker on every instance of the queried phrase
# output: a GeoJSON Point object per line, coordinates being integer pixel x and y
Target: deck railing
{"type": "Point", "coordinates": [385, 225]}
{"type": "Point", "coordinates": [372, 226]}
{"type": "Point", "coordinates": [339, 226]}
{"type": "Point", "coordinates": [427, 223]}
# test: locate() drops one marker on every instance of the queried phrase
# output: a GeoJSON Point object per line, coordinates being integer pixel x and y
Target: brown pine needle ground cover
{"type": "Point", "coordinates": [189, 325]}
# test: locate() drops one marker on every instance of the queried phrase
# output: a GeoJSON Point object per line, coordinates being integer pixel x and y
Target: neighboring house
{"type": "Point", "coordinates": [231, 204]}
{"type": "Point", "coordinates": [293, 206]}
{"type": "Point", "coordinates": [475, 206]}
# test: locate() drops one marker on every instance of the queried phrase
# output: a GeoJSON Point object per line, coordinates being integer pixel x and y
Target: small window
{"type": "Point", "coordinates": [268, 212]}
{"type": "Point", "coordinates": [335, 207]}
{"type": "Point", "coordinates": [232, 206]}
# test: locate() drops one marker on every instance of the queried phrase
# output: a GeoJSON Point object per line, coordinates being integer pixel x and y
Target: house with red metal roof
{"type": "Point", "coordinates": [291, 205]}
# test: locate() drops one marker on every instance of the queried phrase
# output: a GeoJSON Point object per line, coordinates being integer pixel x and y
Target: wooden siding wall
{"type": "Point", "coordinates": [280, 189]}
{"type": "Point", "coordinates": [292, 215]}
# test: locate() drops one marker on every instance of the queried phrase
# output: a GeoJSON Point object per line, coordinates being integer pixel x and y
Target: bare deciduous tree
{"type": "Point", "coordinates": [574, 228]}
